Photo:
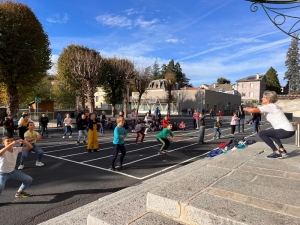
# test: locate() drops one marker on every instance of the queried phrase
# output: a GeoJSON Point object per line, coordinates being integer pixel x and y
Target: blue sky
{"type": "Point", "coordinates": [209, 39]}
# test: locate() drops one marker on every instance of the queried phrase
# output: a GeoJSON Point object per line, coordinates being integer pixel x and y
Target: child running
{"type": "Point", "coordinates": [32, 136]}
{"type": "Point", "coordinates": [93, 134]}
{"type": "Point", "coordinates": [217, 127]}
{"type": "Point", "coordinates": [119, 135]}
{"type": "Point", "coordinates": [8, 158]}
{"type": "Point", "coordinates": [164, 138]}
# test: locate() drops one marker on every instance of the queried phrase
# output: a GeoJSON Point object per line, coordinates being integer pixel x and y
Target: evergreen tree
{"type": "Point", "coordinates": [272, 81]}
{"type": "Point", "coordinates": [175, 69]}
{"type": "Point", "coordinates": [292, 63]}
{"type": "Point", "coordinates": [155, 72]}
{"type": "Point", "coordinates": [222, 80]}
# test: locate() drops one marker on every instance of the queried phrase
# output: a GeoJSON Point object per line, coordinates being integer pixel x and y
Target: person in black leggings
{"type": "Point", "coordinates": [282, 128]}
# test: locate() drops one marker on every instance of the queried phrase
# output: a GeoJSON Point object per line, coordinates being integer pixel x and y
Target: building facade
{"type": "Point", "coordinates": [252, 88]}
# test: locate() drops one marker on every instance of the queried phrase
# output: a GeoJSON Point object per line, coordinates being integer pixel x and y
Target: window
{"type": "Point", "coordinates": [251, 94]}
{"type": "Point", "coordinates": [243, 94]}
{"type": "Point", "coordinates": [97, 98]}
{"type": "Point", "coordinates": [251, 85]}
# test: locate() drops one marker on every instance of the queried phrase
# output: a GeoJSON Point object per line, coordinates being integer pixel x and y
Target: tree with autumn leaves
{"type": "Point", "coordinates": [24, 52]}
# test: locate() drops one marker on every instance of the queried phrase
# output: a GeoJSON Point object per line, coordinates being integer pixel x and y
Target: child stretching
{"type": "Point", "coordinates": [217, 127]}
{"type": "Point", "coordinates": [119, 135]}
{"type": "Point", "coordinates": [139, 129]}
{"type": "Point", "coordinates": [32, 136]}
{"type": "Point", "coordinates": [8, 158]}
{"type": "Point", "coordinates": [164, 138]}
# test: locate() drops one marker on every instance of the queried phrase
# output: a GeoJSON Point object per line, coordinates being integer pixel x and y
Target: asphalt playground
{"type": "Point", "coordinates": [73, 177]}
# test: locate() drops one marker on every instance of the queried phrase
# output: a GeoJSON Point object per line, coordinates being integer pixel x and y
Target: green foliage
{"type": "Point", "coordinates": [272, 81]}
{"type": "Point", "coordinates": [24, 51]}
{"type": "Point", "coordinates": [292, 63]}
{"type": "Point", "coordinates": [155, 72]}
{"type": "Point", "coordinates": [111, 81]}
{"type": "Point", "coordinates": [175, 69]}
{"type": "Point", "coordinates": [222, 80]}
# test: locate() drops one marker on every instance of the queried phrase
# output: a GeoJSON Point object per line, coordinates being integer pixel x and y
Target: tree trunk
{"type": "Point", "coordinates": [125, 101]}
{"type": "Point", "coordinates": [138, 106]}
{"type": "Point", "coordinates": [13, 100]}
{"type": "Point", "coordinates": [113, 106]}
{"type": "Point", "coordinates": [90, 98]}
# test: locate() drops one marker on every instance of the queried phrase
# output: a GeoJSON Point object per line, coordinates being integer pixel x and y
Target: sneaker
{"type": "Point", "coordinates": [218, 137]}
{"type": "Point", "coordinates": [132, 131]}
{"type": "Point", "coordinates": [145, 133]}
{"type": "Point", "coordinates": [283, 152]}
{"type": "Point", "coordinates": [64, 136]}
{"type": "Point", "coordinates": [77, 143]}
{"type": "Point", "coordinates": [165, 152]}
{"type": "Point", "coordinates": [39, 163]}
{"type": "Point", "coordinates": [160, 153]}
{"type": "Point", "coordinates": [274, 155]}
{"type": "Point", "coordinates": [214, 138]}
{"type": "Point", "coordinates": [22, 194]}
{"type": "Point", "coordinates": [113, 168]}
{"type": "Point", "coordinates": [84, 142]}
{"type": "Point", "coordinates": [21, 167]}
{"type": "Point", "coordinates": [95, 150]}
{"type": "Point", "coordinates": [89, 150]}
{"type": "Point", "coordinates": [70, 136]}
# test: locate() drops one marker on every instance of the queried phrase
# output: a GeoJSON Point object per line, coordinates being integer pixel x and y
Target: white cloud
{"type": "Point", "coordinates": [143, 23]}
{"type": "Point", "coordinates": [114, 21]}
{"type": "Point", "coordinates": [58, 18]}
{"type": "Point", "coordinates": [174, 40]}
{"type": "Point", "coordinates": [134, 11]}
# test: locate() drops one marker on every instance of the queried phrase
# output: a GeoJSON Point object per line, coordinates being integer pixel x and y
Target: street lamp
{"type": "Point", "coordinates": [277, 17]}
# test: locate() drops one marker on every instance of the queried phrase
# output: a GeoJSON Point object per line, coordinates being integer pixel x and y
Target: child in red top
{"type": "Point", "coordinates": [165, 122]}
{"type": "Point", "coordinates": [220, 115]}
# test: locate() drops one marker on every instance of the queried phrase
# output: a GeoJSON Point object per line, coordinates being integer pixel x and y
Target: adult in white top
{"type": "Point", "coordinates": [8, 158]}
{"type": "Point", "coordinates": [282, 128]}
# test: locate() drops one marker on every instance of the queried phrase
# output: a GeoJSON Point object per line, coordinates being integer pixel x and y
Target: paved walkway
{"type": "Point", "coordinates": [240, 187]}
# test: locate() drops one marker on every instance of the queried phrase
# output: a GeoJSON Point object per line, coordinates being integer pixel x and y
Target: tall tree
{"type": "Point", "coordinates": [66, 76]}
{"type": "Point", "coordinates": [272, 81]}
{"type": "Point", "coordinates": [292, 63]}
{"type": "Point", "coordinates": [141, 82]}
{"type": "Point", "coordinates": [170, 85]}
{"type": "Point", "coordinates": [175, 68]}
{"type": "Point", "coordinates": [110, 81]}
{"type": "Point", "coordinates": [155, 72]}
{"type": "Point", "coordinates": [222, 80]}
{"type": "Point", "coordinates": [24, 51]}
{"type": "Point", "coordinates": [87, 65]}
{"type": "Point", "coordinates": [127, 72]}
{"type": "Point", "coordinates": [79, 69]}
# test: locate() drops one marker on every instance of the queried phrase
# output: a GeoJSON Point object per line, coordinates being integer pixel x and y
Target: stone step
{"type": "Point", "coordinates": [210, 209]}
{"type": "Point", "coordinates": [152, 218]}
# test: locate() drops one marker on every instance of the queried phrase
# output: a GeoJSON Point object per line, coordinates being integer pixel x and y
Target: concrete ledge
{"type": "Point", "coordinates": [209, 209]}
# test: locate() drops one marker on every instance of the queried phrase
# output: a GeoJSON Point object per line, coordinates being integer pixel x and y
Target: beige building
{"type": "Point", "coordinates": [252, 88]}
{"type": "Point", "coordinates": [194, 98]}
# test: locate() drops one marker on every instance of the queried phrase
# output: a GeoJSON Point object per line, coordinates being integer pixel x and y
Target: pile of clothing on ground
{"type": "Point", "coordinates": [237, 142]}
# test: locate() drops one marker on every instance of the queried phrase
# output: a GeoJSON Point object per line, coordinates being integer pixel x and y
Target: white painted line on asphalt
{"type": "Point", "coordinates": [97, 167]}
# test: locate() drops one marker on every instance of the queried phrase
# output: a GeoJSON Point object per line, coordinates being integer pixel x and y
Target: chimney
{"type": "Point", "coordinates": [257, 76]}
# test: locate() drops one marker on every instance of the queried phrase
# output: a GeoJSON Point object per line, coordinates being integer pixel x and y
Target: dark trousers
{"type": "Point", "coordinates": [232, 129]}
{"type": "Point", "coordinates": [44, 128]}
{"type": "Point", "coordinates": [117, 148]}
{"type": "Point", "coordinates": [165, 143]}
{"type": "Point", "coordinates": [10, 132]}
{"type": "Point", "coordinates": [138, 133]}
{"type": "Point", "coordinates": [201, 134]}
{"type": "Point", "coordinates": [270, 135]}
